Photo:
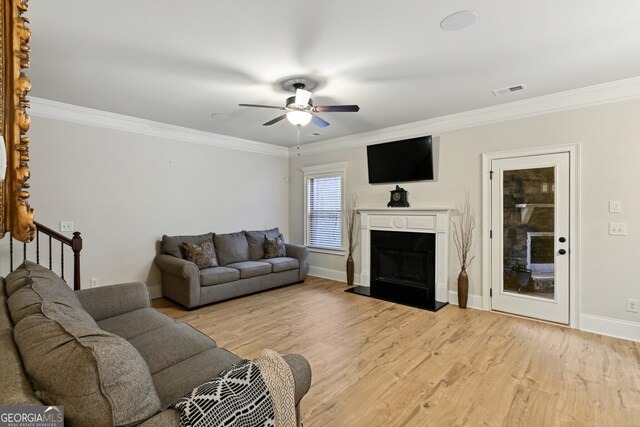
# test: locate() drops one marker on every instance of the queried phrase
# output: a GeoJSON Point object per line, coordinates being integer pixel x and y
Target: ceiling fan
{"type": "Point", "coordinates": [300, 110]}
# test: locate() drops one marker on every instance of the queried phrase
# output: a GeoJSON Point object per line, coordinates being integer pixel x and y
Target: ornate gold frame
{"type": "Point", "coordinates": [16, 216]}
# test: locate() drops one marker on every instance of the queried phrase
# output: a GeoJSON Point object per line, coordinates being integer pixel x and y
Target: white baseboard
{"type": "Point", "coordinates": [611, 327]}
{"type": "Point", "coordinates": [473, 301]}
{"type": "Point", "coordinates": [155, 291]}
{"type": "Point", "coordinates": [329, 273]}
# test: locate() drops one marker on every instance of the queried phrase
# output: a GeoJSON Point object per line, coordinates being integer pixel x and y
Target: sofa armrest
{"type": "Point", "coordinates": [301, 371]}
{"type": "Point", "coordinates": [109, 301]}
{"type": "Point", "coordinates": [177, 267]}
{"type": "Point", "coordinates": [302, 253]}
{"type": "Point", "coordinates": [180, 280]}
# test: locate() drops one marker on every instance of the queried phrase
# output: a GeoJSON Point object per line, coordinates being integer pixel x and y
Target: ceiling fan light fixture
{"type": "Point", "coordinates": [299, 118]}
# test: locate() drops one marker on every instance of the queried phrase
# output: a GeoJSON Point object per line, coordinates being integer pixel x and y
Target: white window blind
{"type": "Point", "coordinates": [324, 211]}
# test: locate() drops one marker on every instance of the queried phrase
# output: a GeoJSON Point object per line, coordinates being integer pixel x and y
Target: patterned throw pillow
{"type": "Point", "coordinates": [202, 255]}
{"type": "Point", "coordinates": [274, 248]}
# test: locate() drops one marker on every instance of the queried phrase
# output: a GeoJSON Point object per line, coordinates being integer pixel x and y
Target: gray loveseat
{"type": "Point", "coordinates": [103, 353]}
{"type": "Point", "coordinates": [242, 268]}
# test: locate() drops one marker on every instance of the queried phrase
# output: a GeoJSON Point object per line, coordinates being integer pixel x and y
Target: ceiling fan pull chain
{"type": "Point", "coordinates": [298, 146]}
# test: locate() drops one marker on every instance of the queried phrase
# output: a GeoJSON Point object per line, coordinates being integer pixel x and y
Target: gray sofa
{"type": "Point", "coordinates": [103, 353]}
{"type": "Point", "coordinates": [242, 268]}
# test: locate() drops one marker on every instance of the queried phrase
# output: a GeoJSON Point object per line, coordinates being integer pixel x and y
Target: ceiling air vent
{"type": "Point", "coordinates": [506, 90]}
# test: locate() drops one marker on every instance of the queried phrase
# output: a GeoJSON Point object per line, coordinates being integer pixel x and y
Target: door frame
{"type": "Point", "coordinates": [574, 220]}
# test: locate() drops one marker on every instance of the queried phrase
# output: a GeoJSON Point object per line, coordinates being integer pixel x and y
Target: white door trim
{"type": "Point", "coordinates": [574, 223]}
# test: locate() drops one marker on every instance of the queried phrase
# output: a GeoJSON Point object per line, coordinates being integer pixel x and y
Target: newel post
{"type": "Point", "coordinates": [76, 246]}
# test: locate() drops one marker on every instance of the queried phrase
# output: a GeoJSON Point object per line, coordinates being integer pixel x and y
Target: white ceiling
{"type": "Point", "coordinates": [178, 62]}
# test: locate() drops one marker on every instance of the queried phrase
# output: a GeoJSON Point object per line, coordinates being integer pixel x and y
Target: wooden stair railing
{"type": "Point", "coordinates": [75, 243]}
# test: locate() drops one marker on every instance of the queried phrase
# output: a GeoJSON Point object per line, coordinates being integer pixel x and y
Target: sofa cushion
{"type": "Point", "coordinates": [251, 268]}
{"type": "Point", "coordinates": [231, 247]}
{"type": "Point", "coordinates": [177, 380]}
{"type": "Point", "coordinates": [171, 244]}
{"type": "Point", "coordinates": [136, 322]}
{"type": "Point", "coordinates": [16, 388]}
{"type": "Point", "coordinates": [283, 263]}
{"type": "Point", "coordinates": [274, 247]}
{"type": "Point", "coordinates": [217, 275]}
{"type": "Point", "coordinates": [5, 317]}
{"type": "Point", "coordinates": [26, 302]}
{"type": "Point", "coordinates": [17, 279]}
{"type": "Point", "coordinates": [203, 255]}
{"type": "Point", "coordinates": [255, 239]}
{"type": "Point", "coordinates": [99, 377]}
{"type": "Point", "coordinates": [45, 286]}
{"type": "Point", "coordinates": [48, 284]}
{"type": "Point", "coordinates": [171, 344]}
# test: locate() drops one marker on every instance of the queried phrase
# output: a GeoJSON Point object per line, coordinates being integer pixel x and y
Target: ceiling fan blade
{"type": "Point", "coordinates": [318, 121]}
{"type": "Point", "coordinates": [274, 121]}
{"type": "Point", "coordinates": [261, 106]}
{"type": "Point", "coordinates": [302, 97]}
{"type": "Point", "coordinates": [336, 108]}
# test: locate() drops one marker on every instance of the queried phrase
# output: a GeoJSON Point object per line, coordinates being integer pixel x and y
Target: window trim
{"type": "Point", "coordinates": [320, 171]}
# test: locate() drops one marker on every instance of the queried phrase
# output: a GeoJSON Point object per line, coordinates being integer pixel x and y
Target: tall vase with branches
{"type": "Point", "coordinates": [353, 235]}
{"type": "Point", "coordinates": [463, 238]}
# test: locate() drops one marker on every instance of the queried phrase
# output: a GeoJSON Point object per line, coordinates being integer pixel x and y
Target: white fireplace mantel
{"type": "Point", "coordinates": [432, 219]}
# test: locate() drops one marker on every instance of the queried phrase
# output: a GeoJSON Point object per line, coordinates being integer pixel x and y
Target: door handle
{"type": "Point", "coordinates": [562, 252]}
{"type": "Point", "coordinates": [562, 239]}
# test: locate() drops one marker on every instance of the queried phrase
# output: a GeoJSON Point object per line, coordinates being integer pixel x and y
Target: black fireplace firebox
{"type": "Point", "coordinates": [403, 269]}
{"type": "Point", "coordinates": [403, 259]}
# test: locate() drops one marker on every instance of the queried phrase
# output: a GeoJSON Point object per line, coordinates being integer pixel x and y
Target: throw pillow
{"type": "Point", "coordinates": [172, 245]}
{"type": "Point", "coordinates": [255, 239]}
{"type": "Point", "coordinates": [274, 248]}
{"type": "Point", "coordinates": [202, 255]}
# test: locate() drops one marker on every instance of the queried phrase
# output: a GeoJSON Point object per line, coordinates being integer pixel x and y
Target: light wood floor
{"type": "Point", "coordinates": [380, 364]}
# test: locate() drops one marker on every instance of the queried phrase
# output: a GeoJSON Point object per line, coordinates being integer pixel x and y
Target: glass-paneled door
{"type": "Point", "coordinates": [530, 236]}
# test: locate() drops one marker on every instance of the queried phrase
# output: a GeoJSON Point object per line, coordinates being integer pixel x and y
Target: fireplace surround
{"type": "Point", "coordinates": [405, 255]}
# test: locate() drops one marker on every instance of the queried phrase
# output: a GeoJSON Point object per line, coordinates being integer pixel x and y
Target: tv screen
{"type": "Point", "coordinates": [401, 161]}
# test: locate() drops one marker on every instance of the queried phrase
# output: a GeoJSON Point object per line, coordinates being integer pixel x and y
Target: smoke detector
{"type": "Point", "coordinates": [511, 89]}
{"type": "Point", "coordinates": [459, 21]}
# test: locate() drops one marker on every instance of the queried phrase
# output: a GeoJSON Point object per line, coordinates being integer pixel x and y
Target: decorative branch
{"type": "Point", "coordinates": [463, 231]}
{"type": "Point", "coordinates": [350, 221]}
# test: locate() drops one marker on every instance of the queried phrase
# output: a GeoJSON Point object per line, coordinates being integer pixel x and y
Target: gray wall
{"type": "Point", "coordinates": [610, 151]}
{"type": "Point", "coordinates": [125, 190]}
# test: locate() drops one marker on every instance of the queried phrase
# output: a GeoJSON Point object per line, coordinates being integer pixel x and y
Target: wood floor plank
{"type": "Point", "coordinates": [377, 363]}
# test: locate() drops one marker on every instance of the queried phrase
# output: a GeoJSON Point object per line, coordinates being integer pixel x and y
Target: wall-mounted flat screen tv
{"type": "Point", "coordinates": [401, 161]}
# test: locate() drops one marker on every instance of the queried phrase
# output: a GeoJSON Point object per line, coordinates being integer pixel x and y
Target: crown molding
{"type": "Point", "coordinates": [620, 90]}
{"type": "Point", "coordinates": [88, 116]}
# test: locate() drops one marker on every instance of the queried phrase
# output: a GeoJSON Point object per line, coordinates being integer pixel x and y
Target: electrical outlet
{"type": "Point", "coordinates": [95, 282]}
{"type": "Point", "coordinates": [632, 305]}
{"type": "Point", "coordinates": [617, 228]}
{"type": "Point", "coordinates": [615, 206]}
{"type": "Point", "coordinates": [66, 226]}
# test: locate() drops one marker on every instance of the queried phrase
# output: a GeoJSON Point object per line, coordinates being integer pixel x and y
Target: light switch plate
{"type": "Point", "coordinates": [615, 206]}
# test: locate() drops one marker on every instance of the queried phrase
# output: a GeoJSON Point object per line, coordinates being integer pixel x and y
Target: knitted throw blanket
{"type": "Point", "coordinates": [248, 393]}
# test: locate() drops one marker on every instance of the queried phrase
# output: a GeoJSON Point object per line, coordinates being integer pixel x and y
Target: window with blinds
{"type": "Point", "coordinates": [324, 211]}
